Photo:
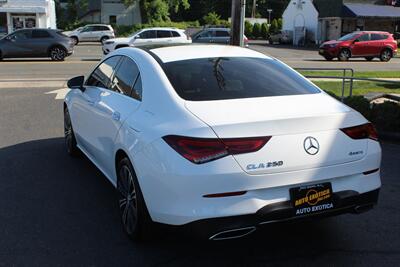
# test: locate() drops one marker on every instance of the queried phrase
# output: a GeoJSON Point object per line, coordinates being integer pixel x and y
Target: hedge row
{"type": "Point", "coordinates": [385, 116]}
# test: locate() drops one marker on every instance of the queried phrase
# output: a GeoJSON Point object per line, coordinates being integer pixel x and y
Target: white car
{"type": "Point", "coordinates": [219, 140]}
{"type": "Point", "coordinates": [149, 36]}
{"type": "Point", "coordinates": [92, 33]}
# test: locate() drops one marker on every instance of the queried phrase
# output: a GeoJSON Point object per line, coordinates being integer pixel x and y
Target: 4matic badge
{"type": "Point", "coordinates": [253, 167]}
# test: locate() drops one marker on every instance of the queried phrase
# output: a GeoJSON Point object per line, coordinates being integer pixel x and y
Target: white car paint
{"type": "Point", "coordinates": [135, 41]}
{"type": "Point", "coordinates": [173, 187]}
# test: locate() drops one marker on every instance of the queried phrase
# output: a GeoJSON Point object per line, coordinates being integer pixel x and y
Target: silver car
{"type": "Point", "coordinates": [28, 43]}
{"type": "Point", "coordinates": [92, 33]}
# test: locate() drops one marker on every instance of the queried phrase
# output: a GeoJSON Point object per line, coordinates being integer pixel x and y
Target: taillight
{"type": "Point", "coordinates": [362, 132]}
{"type": "Point", "coordinates": [188, 37]}
{"type": "Point", "coordinates": [202, 150]}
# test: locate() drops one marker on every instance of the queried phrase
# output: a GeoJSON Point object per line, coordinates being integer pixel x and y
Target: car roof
{"type": "Point", "coordinates": [96, 25]}
{"type": "Point", "coordinates": [163, 28]}
{"type": "Point", "coordinates": [178, 53]}
{"type": "Point", "coordinates": [373, 32]}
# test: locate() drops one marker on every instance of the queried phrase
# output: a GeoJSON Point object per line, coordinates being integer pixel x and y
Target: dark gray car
{"type": "Point", "coordinates": [215, 36]}
{"type": "Point", "coordinates": [28, 43]}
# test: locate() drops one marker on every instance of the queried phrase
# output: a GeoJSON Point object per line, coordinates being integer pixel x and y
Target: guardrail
{"type": "Point", "coordinates": [345, 79]}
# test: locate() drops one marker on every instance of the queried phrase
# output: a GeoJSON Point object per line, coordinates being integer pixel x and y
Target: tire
{"type": "Point", "coordinates": [344, 54]}
{"type": "Point", "coordinates": [270, 41]}
{"type": "Point", "coordinates": [1, 56]}
{"type": "Point", "coordinates": [103, 39]}
{"type": "Point", "coordinates": [328, 58]}
{"type": "Point", "coordinates": [135, 218]}
{"type": "Point", "coordinates": [57, 53]}
{"type": "Point", "coordinates": [386, 55]}
{"type": "Point", "coordinates": [75, 40]}
{"type": "Point", "coordinates": [369, 58]}
{"type": "Point", "coordinates": [69, 135]}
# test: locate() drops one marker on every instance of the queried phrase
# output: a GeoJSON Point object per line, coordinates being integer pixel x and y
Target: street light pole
{"type": "Point", "coordinates": [269, 16]}
{"type": "Point", "coordinates": [237, 24]}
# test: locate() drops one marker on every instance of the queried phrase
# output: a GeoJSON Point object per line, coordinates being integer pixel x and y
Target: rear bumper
{"type": "Point", "coordinates": [344, 201]}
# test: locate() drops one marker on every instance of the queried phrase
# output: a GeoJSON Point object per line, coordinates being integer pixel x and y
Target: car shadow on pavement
{"type": "Point", "coordinates": [12, 60]}
{"type": "Point", "coordinates": [58, 210]}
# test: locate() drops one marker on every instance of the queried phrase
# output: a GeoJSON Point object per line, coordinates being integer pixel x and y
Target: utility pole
{"type": "Point", "coordinates": [253, 11]}
{"type": "Point", "coordinates": [237, 27]}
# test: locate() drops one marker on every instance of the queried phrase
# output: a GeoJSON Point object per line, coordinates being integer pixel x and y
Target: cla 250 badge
{"type": "Point", "coordinates": [253, 167]}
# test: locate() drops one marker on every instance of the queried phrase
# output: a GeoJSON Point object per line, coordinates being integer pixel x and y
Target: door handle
{"type": "Point", "coordinates": [116, 116]}
{"type": "Point", "coordinates": [90, 102]}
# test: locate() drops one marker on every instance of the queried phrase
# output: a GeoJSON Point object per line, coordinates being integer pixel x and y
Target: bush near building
{"type": "Point", "coordinates": [264, 31]}
{"type": "Point", "coordinates": [248, 29]}
{"type": "Point", "coordinates": [256, 30]}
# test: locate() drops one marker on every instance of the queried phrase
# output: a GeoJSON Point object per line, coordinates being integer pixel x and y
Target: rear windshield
{"type": "Point", "coordinates": [233, 78]}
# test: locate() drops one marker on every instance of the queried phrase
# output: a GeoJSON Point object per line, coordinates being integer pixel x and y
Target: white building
{"type": "Point", "coordinates": [301, 18]}
{"type": "Point", "coordinates": [18, 14]}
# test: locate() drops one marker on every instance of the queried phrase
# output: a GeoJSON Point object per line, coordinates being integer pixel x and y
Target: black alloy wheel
{"type": "Point", "coordinates": [57, 53]}
{"type": "Point", "coordinates": [69, 135]}
{"type": "Point", "coordinates": [135, 219]}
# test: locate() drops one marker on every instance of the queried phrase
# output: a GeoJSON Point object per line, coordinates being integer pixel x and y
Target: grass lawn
{"type": "Point", "coordinates": [359, 74]}
{"type": "Point", "coordinates": [359, 87]}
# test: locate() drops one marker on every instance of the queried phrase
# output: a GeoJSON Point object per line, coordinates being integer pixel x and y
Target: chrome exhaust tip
{"type": "Point", "coordinates": [231, 234]}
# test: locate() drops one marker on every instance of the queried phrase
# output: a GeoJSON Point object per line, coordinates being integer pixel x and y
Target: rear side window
{"type": "Point", "coordinates": [40, 34]}
{"type": "Point", "coordinates": [163, 34]}
{"type": "Point", "coordinates": [222, 34]}
{"type": "Point", "coordinates": [175, 34]}
{"type": "Point", "coordinates": [125, 77]}
{"type": "Point", "coordinates": [234, 78]}
{"type": "Point", "coordinates": [137, 89]}
{"type": "Point", "coordinates": [376, 36]}
{"type": "Point", "coordinates": [101, 76]}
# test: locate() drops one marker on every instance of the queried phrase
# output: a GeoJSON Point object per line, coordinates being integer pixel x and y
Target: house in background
{"type": "Point", "coordinates": [19, 14]}
{"type": "Point", "coordinates": [320, 20]}
{"type": "Point", "coordinates": [111, 12]}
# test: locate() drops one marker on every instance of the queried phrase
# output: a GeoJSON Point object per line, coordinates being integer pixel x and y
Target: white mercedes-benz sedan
{"type": "Point", "coordinates": [219, 140]}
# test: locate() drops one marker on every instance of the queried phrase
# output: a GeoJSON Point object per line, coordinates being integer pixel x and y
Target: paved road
{"type": "Point", "coordinates": [58, 211]}
{"type": "Point", "coordinates": [87, 55]}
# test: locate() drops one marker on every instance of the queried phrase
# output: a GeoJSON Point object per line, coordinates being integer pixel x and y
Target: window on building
{"type": "Point", "coordinates": [113, 19]}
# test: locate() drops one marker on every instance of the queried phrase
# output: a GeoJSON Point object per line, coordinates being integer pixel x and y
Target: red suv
{"type": "Point", "coordinates": [365, 44]}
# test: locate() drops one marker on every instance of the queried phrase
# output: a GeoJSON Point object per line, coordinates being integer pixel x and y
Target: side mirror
{"type": "Point", "coordinates": [76, 83]}
{"type": "Point", "coordinates": [356, 41]}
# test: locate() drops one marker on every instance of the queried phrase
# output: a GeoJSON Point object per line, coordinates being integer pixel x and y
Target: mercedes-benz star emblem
{"type": "Point", "coordinates": [311, 145]}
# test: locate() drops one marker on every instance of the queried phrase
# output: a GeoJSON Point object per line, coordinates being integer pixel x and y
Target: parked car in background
{"type": "Point", "coordinates": [281, 37]}
{"type": "Point", "coordinates": [148, 36]}
{"type": "Point", "coordinates": [92, 33]}
{"type": "Point", "coordinates": [215, 36]}
{"type": "Point", "coordinates": [29, 43]}
{"type": "Point", "coordinates": [367, 44]}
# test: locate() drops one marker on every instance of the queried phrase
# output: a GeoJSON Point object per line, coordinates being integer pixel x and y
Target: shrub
{"type": "Point", "coordinates": [264, 31]}
{"type": "Point", "coordinates": [274, 26]}
{"type": "Point", "coordinates": [248, 29]}
{"type": "Point", "coordinates": [386, 116]}
{"type": "Point", "coordinates": [212, 18]}
{"type": "Point", "coordinates": [257, 30]}
{"type": "Point", "coordinates": [359, 103]}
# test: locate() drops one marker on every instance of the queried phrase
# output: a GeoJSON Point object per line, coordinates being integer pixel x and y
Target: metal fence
{"type": "Point", "coordinates": [347, 78]}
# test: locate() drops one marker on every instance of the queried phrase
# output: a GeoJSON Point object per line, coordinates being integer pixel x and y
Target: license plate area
{"type": "Point", "coordinates": [311, 199]}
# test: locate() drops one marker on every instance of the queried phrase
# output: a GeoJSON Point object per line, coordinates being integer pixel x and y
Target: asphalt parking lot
{"type": "Point", "coordinates": [59, 211]}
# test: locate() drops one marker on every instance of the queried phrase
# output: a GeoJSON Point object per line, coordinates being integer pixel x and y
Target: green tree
{"type": "Point", "coordinates": [280, 23]}
{"type": "Point", "coordinates": [248, 29]}
{"type": "Point", "coordinates": [212, 18]}
{"type": "Point", "coordinates": [264, 30]}
{"type": "Point", "coordinates": [274, 26]}
{"type": "Point", "coordinates": [257, 30]}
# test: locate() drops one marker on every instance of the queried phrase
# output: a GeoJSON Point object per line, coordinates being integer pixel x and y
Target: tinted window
{"type": "Point", "coordinates": [148, 35]}
{"type": "Point", "coordinates": [233, 78]}
{"type": "Point", "coordinates": [21, 35]}
{"type": "Point", "coordinates": [363, 38]}
{"type": "Point", "coordinates": [348, 37]}
{"type": "Point", "coordinates": [222, 34]}
{"type": "Point", "coordinates": [101, 76]}
{"type": "Point", "coordinates": [206, 34]}
{"type": "Point", "coordinates": [163, 34]}
{"type": "Point", "coordinates": [175, 34]}
{"type": "Point", "coordinates": [125, 77]}
{"type": "Point", "coordinates": [137, 89]}
{"type": "Point", "coordinates": [40, 34]}
{"type": "Point", "coordinates": [376, 36]}
{"type": "Point", "coordinates": [88, 29]}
